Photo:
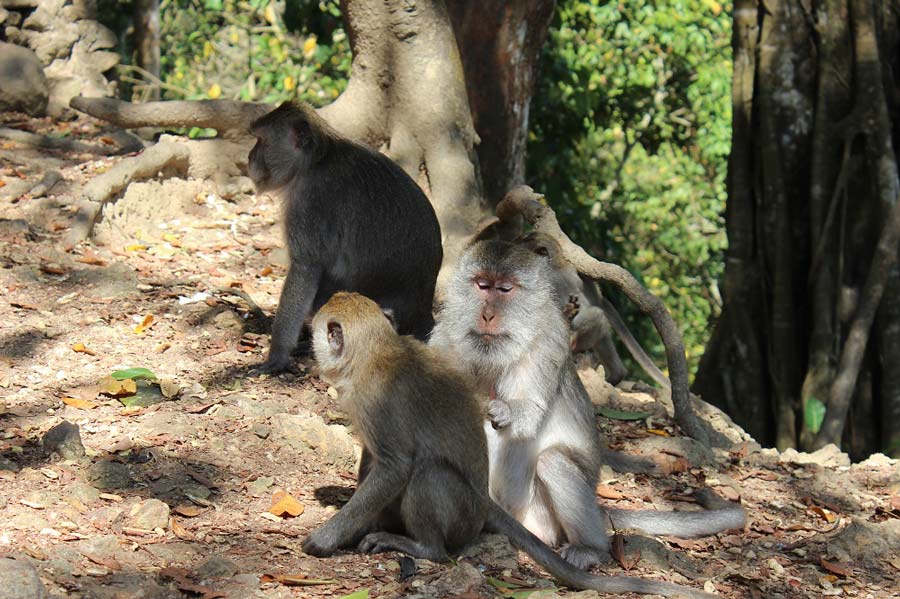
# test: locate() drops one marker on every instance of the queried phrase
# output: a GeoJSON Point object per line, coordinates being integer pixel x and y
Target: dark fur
{"type": "Point", "coordinates": [545, 451]}
{"type": "Point", "coordinates": [423, 484]}
{"type": "Point", "coordinates": [354, 221]}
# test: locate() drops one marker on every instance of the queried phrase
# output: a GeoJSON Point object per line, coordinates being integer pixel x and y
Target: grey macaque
{"type": "Point", "coordinates": [423, 485]}
{"type": "Point", "coordinates": [354, 221]}
{"type": "Point", "coordinates": [500, 320]}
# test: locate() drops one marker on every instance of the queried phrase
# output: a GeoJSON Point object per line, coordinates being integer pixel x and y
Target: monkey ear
{"type": "Point", "coordinates": [336, 337]}
{"type": "Point", "coordinates": [392, 318]}
{"type": "Point", "coordinates": [301, 134]}
{"type": "Point", "coordinates": [542, 251]}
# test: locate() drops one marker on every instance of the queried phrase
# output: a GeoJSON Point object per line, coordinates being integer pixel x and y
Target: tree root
{"type": "Point", "coordinates": [221, 115]}
{"type": "Point", "coordinates": [106, 187]}
{"type": "Point", "coordinates": [524, 201]}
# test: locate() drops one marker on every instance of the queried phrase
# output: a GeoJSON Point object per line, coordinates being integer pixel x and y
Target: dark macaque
{"type": "Point", "coordinates": [501, 322]}
{"type": "Point", "coordinates": [423, 482]}
{"type": "Point", "coordinates": [593, 318]}
{"type": "Point", "coordinates": [354, 221]}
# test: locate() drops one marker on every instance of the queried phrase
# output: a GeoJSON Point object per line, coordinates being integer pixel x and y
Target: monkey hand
{"type": "Point", "coordinates": [572, 308]}
{"type": "Point", "coordinates": [499, 414]}
{"type": "Point", "coordinates": [322, 542]}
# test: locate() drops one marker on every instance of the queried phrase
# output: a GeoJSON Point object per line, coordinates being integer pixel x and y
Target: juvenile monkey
{"type": "Point", "coordinates": [423, 487]}
{"type": "Point", "coordinates": [354, 221]}
{"type": "Point", "coordinates": [501, 321]}
{"type": "Point", "coordinates": [593, 318]}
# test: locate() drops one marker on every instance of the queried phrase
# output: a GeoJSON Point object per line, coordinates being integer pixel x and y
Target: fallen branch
{"type": "Point", "coordinates": [524, 201]}
{"type": "Point", "coordinates": [221, 115]}
{"type": "Point", "coordinates": [45, 142]}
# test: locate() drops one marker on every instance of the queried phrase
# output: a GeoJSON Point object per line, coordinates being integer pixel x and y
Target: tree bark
{"type": "Point", "coordinates": [500, 43]}
{"type": "Point", "coordinates": [813, 228]}
{"type": "Point", "coordinates": [146, 39]}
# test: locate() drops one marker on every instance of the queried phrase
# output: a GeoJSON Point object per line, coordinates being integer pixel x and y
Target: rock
{"type": "Point", "coordinates": [694, 452]}
{"type": "Point", "coordinates": [261, 430]}
{"type": "Point", "coordinates": [150, 515]}
{"type": "Point", "coordinates": [229, 321]}
{"type": "Point", "coordinates": [100, 549]}
{"type": "Point", "coordinates": [84, 492]}
{"type": "Point", "coordinates": [216, 567]}
{"type": "Point", "coordinates": [174, 553]}
{"type": "Point", "coordinates": [463, 579]}
{"type": "Point", "coordinates": [20, 580]}
{"type": "Point", "coordinates": [4, 14]}
{"type": "Point", "coordinates": [109, 475]}
{"type": "Point", "coordinates": [64, 439]}
{"type": "Point", "coordinates": [260, 486]}
{"type": "Point", "coordinates": [867, 541]}
{"type": "Point", "coordinates": [8, 465]}
{"type": "Point", "coordinates": [493, 549]}
{"type": "Point", "coordinates": [19, 3]}
{"type": "Point", "coordinates": [126, 586]}
{"type": "Point", "coordinates": [829, 456]}
{"type": "Point", "coordinates": [307, 432]}
{"type": "Point", "coordinates": [23, 84]}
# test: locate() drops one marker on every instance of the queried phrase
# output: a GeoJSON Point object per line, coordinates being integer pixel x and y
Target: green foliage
{"type": "Point", "coordinates": [254, 50]}
{"type": "Point", "coordinates": [629, 140]}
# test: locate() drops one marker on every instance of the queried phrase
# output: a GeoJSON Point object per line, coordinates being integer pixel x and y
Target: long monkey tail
{"type": "Point", "coordinates": [719, 515]}
{"type": "Point", "coordinates": [499, 521]}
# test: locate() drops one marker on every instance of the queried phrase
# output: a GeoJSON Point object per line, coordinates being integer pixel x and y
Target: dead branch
{"type": "Point", "coordinates": [523, 200]}
{"type": "Point", "coordinates": [221, 115]}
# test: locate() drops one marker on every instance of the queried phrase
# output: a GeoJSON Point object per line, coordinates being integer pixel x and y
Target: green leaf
{"type": "Point", "coordinates": [620, 414]}
{"type": "Point", "coordinates": [147, 394]}
{"type": "Point", "coordinates": [133, 373]}
{"type": "Point", "coordinates": [512, 590]}
{"type": "Point", "coordinates": [363, 594]}
{"type": "Point", "coordinates": [813, 414]}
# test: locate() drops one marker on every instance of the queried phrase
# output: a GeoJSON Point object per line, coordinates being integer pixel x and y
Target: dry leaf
{"type": "Point", "coordinates": [659, 432]}
{"type": "Point", "coordinates": [187, 510]}
{"type": "Point", "coordinates": [835, 568]}
{"type": "Point", "coordinates": [135, 247]}
{"type": "Point", "coordinates": [81, 349]}
{"type": "Point", "coordinates": [266, 271]}
{"type": "Point", "coordinates": [52, 268]}
{"type": "Point", "coordinates": [81, 404]}
{"type": "Point", "coordinates": [92, 258]}
{"type": "Point", "coordinates": [146, 323]}
{"type": "Point", "coordinates": [295, 580]}
{"type": "Point", "coordinates": [111, 386]}
{"type": "Point", "coordinates": [172, 239]}
{"type": "Point", "coordinates": [607, 492]}
{"type": "Point", "coordinates": [826, 515]}
{"type": "Point", "coordinates": [283, 503]}
{"type": "Point", "coordinates": [180, 531]}
{"type": "Point", "coordinates": [169, 388]}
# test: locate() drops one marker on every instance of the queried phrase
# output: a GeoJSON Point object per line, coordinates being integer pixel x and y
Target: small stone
{"type": "Point", "coordinates": [228, 321]}
{"type": "Point", "coordinates": [20, 580]}
{"type": "Point", "coordinates": [216, 567]}
{"type": "Point", "coordinates": [8, 465]}
{"type": "Point", "coordinates": [261, 430]}
{"type": "Point", "coordinates": [64, 439]}
{"type": "Point", "coordinates": [150, 514]}
{"type": "Point", "coordinates": [84, 493]}
{"type": "Point", "coordinates": [23, 84]}
{"type": "Point", "coordinates": [109, 475]}
{"type": "Point", "coordinates": [260, 486]}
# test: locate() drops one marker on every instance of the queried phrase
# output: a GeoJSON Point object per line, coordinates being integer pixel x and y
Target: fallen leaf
{"type": "Point", "coordinates": [146, 323]}
{"type": "Point", "coordinates": [658, 432]}
{"type": "Point", "coordinates": [81, 349]}
{"type": "Point", "coordinates": [162, 347]}
{"type": "Point", "coordinates": [607, 492]}
{"type": "Point", "coordinates": [172, 239]}
{"type": "Point", "coordinates": [180, 531]}
{"type": "Point", "coordinates": [826, 515]}
{"type": "Point", "coordinates": [135, 247]}
{"type": "Point", "coordinates": [283, 503]}
{"type": "Point", "coordinates": [169, 388]}
{"type": "Point", "coordinates": [266, 271]}
{"type": "Point", "coordinates": [134, 374]}
{"type": "Point", "coordinates": [91, 257]}
{"type": "Point", "coordinates": [51, 268]}
{"type": "Point", "coordinates": [297, 580]}
{"type": "Point", "coordinates": [81, 404]}
{"type": "Point", "coordinates": [187, 510]}
{"type": "Point", "coordinates": [117, 388]}
{"type": "Point", "coordinates": [834, 568]}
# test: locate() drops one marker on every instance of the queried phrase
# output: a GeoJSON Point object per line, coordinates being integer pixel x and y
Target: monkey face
{"type": "Point", "coordinates": [288, 141]}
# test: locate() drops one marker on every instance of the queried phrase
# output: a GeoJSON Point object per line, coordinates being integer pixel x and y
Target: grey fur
{"type": "Point", "coordinates": [545, 454]}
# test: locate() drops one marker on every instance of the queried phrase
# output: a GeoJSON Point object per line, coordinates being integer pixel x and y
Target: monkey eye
{"type": "Point", "coordinates": [483, 284]}
{"type": "Point", "coordinates": [335, 337]}
{"type": "Point", "coordinates": [504, 287]}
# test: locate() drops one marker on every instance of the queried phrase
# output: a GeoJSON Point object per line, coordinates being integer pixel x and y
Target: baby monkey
{"type": "Point", "coordinates": [423, 481]}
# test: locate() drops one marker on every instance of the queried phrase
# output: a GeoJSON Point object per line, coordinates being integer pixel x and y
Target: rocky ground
{"type": "Point", "coordinates": [173, 496]}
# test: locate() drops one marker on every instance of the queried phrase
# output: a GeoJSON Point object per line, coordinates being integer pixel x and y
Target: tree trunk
{"type": "Point", "coordinates": [146, 39]}
{"type": "Point", "coordinates": [501, 43]}
{"type": "Point", "coordinates": [810, 220]}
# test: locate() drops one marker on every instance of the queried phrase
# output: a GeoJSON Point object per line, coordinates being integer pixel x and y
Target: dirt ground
{"type": "Point", "coordinates": [172, 498]}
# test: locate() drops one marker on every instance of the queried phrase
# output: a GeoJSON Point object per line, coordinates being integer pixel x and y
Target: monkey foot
{"type": "Point", "coordinates": [379, 542]}
{"type": "Point", "coordinates": [274, 365]}
{"type": "Point", "coordinates": [583, 557]}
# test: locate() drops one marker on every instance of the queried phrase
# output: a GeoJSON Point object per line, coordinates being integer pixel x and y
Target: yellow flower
{"type": "Point", "coordinates": [214, 91]}
{"type": "Point", "coordinates": [309, 46]}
